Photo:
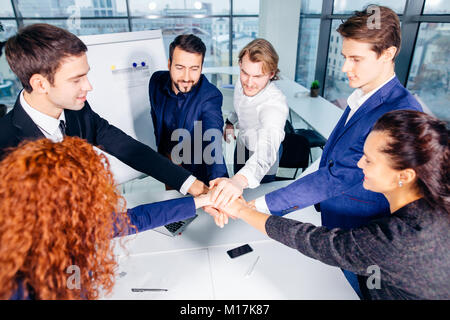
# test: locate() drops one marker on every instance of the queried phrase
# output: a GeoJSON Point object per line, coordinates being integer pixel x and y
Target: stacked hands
{"type": "Point", "coordinates": [223, 200]}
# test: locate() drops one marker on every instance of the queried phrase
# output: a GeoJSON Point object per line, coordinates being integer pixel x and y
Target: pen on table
{"type": "Point", "coordinates": [250, 270]}
{"type": "Point", "coordinates": [147, 289]}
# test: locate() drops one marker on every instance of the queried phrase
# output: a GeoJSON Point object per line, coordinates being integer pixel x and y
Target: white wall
{"type": "Point", "coordinates": [279, 24]}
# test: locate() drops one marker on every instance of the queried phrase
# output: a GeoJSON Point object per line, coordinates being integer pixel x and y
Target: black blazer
{"type": "Point", "coordinates": [17, 126]}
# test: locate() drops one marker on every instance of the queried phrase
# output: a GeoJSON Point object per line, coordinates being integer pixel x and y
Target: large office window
{"type": "Point", "coordinates": [429, 77]}
{"type": "Point", "coordinates": [437, 7]}
{"type": "Point", "coordinates": [8, 82]}
{"type": "Point", "coordinates": [207, 29]}
{"type": "Point", "coordinates": [224, 25]}
{"type": "Point", "coordinates": [336, 82]}
{"type": "Point", "coordinates": [423, 65]}
{"type": "Point", "coordinates": [245, 30]}
{"type": "Point", "coordinates": [348, 7]}
{"type": "Point", "coordinates": [179, 7]}
{"type": "Point", "coordinates": [308, 41]}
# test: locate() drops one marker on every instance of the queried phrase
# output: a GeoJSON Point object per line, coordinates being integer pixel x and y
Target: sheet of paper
{"type": "Point", "coordinates": [185, 275]}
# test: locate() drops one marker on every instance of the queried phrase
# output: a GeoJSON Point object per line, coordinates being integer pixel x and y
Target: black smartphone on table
{"type": "Point", "coordinates": [239, 251]}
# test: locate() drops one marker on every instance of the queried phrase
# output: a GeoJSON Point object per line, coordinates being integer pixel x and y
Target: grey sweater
{"type": "Point", "coordinates": [411, 250]}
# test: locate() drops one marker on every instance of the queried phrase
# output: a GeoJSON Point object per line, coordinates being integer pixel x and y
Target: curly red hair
{"type": "Point", "coordinates": [59, 207]}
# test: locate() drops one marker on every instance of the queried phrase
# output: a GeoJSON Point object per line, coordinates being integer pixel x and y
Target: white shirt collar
{"type": "Point", "coordinates": [48, 125]}
{"type": "Point", "coordinates": [357, 98]}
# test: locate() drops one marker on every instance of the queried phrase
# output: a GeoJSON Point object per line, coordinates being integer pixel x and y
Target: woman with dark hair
{"type": "Point", "coordinates": [407, 255]}
{"type": "Point", "coordinates": [60, 208]}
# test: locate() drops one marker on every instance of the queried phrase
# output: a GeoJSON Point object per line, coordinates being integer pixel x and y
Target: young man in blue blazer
{"type": "Point", "coordinates": [337, 186]}
{"type": "Point", "coordinates": [185, 104]}
{"type": "Point", "coordinates": [51, 64]}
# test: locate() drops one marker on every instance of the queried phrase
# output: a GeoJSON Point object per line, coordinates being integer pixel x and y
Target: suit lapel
{"type": "Point", "coordinates": [160, 111]}
{"type": "Point", "coordinates": [160, 107]}
{"type": "Point", "coordinates": [336, 133]}
{"type": "Point", "coordinates": [73, 127]}
{"type": "Point", "coordinates": [372, 103]}
{"type": "Point", "coordinates": [184, 113]}
{"type": "Point", "coordinates": [25, 127]}
{"type": "Point", "coordinates": [368, 106]}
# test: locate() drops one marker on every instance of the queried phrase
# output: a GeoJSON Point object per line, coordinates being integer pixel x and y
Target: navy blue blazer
{"type": "Point", "coordinates": [152, 215]}
{"type": "Point", "coordinates": [338, 183]}
{"type": "Point", "coordinates": [204, 103]}
{"type": "Point", "coordinates": [17, 126]}
{"type": "Point", "coordinates": [144, 217]}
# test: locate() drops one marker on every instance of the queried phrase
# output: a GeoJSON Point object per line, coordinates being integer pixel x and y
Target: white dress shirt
{"type": "Point", "coordinates": [49, 126]}
{"type": "Point", "coordinates": [187, 184]}
{"type": "Point", "coordinates": [260, 120]}
{"type": "Point", "coordinates": [355, 101]}
{"type": "Point", "coordinates": [357, 98]}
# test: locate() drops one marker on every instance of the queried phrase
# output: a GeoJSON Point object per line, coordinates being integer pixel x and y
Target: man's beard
{"type": "Point", "coordinates": [186, 88]}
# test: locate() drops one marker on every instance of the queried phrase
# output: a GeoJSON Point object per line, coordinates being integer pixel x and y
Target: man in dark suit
{"type": "Point", "coordinates": [185, 104]}
{"type": "Point", "coordinates": [52, 65]}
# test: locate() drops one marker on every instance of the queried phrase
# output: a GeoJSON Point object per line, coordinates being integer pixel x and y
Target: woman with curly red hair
{"type": "Point", "coordinates": [60, 207]}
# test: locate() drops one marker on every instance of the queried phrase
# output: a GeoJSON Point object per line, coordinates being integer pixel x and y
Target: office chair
{"type": "Point", "coordinates": [314, 138]}
{"type": "Point", "coordinates": [295, 154]}
{"type": "Point", "coordinates": [288, 127]}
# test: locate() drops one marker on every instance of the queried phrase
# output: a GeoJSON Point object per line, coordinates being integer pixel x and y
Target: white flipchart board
{"type": "Point", "coordinates": [121, 67]}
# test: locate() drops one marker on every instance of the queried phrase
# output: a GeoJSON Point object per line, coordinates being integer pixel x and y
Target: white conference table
{"type": "Point", "coordinates": [195, 265]}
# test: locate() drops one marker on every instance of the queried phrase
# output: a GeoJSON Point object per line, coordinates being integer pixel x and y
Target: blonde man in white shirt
{"type": "Point", "coordinates": [260, 115]}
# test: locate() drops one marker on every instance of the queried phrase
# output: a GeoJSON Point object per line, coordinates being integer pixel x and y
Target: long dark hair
{"type": "Point", "coordinates": [420, 142]}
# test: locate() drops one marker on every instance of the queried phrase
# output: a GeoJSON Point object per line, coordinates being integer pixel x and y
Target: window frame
{"type": "Point", "coordinates": [20, 20]}
{"type": "Point", "coordinates": [411, 19]}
